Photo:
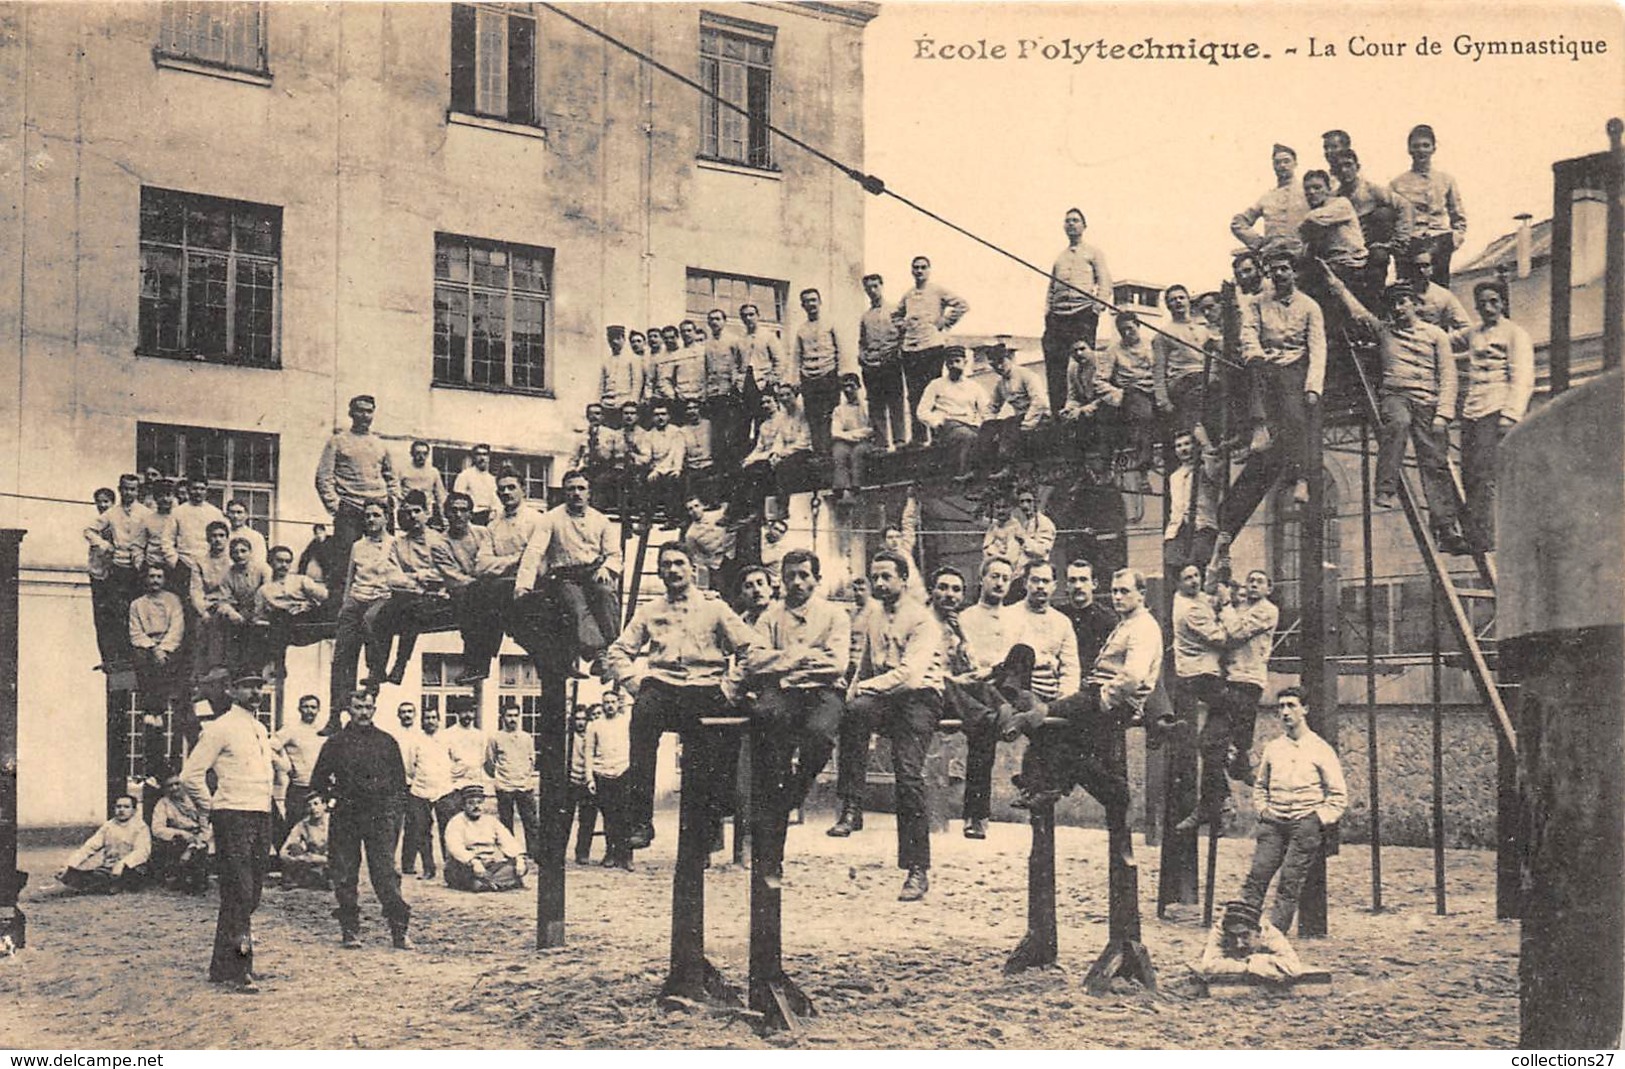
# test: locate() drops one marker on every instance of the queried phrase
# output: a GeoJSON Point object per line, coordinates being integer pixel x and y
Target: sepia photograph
{"type": "Point", "coordinates": [811, 525]}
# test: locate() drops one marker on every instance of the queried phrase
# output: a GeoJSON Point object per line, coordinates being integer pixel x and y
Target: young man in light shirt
{"type": "Point", "coordinates": [115, 858]}
{"type": "Point", "coordinates": [575, 546]}
{"type": "Point", "coordinates": [954, 408]}
{"type": "Point", "coordinates": [1281, 209]}
{"type": "Point", "coordinates": [510, 761]}
{"type": "Point", "coordinates": [1439, 220]}
{"type": "Point", "coordinates": [924, 315]}
{"type": "Point", "coordinates": [880, 358]}
{"type": "Point", "coordinates": [818, 368]}
{"type": "Point", "coordinates": [1495, 397]}
{"type": "Point", "coordinates": [480, 484]}
{"type": "Point", "coordinates": [1079, 283]}
{"type": "Point", "coordinates": [355, 470]}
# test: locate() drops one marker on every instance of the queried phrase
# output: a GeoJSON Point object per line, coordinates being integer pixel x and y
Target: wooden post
{"type": "Point", "coordinates": [1124, 954]}
{"type": "Point", "coordinates": [1320, 694]}
{"type": "Point", "coordinates": [1374, 799]}
{"type": "Point", "coordinates": [1438, 762]}
{"type": "Point", "coordinates": [1509, 843]}
{"type": "Point", "coordinates": [13, 924]}
{"type": "Point", "coordinates": [553, 805]}
{"type": "Point", "coordinates": [1613, 315]}
{"type": "Point", "coordinates": [691, 976]}
{"type": "Point", "coordinates": [744, 828]}
{"type": "Point", "coordinates": [1039, 946]}
{"type": "Point", "coordinates": [1177, 880]}
{"type": "Point", "coordinates": [1214, 831]}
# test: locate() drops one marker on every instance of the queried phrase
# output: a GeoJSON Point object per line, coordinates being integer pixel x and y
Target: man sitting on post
{"type": "Point", "coordinates": [417, 591]}
{"type": "Point", "coordinates": [574, 546]}
{"type": "Point", "coordinates": [1299, 794]}
{"type": "Point", "coordinates": [1019, 406]}
{"type": "Point", "coordinates": [954, 408]}
{"type": "Point", "coordinates": [157, 628]}
{"type": "Point", "coordinates": [797, 713]}
{"type": "Point", "coordinates": [1088, 414]}
{"type": "Point", "coordinates": [482, 854]}
{"type": "Point", "coordinates": [686, 640]}
{"type": "Point", "coordinates": [490, 604]}
{"type": "Point", "coordinates": [899, 690]}
{"type": "Point", "coordinates": [657, 456]}
{"type": "Point", "coordinates": [114, 859]}
{"type": "Point", "coordinates": [1129, 368]}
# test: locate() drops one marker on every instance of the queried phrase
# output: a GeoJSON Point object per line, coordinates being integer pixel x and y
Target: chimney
{"type": "Point", "coordinates": [1525, 243]}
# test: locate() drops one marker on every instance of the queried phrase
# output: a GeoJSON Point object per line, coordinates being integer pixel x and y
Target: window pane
{"type": "Point", "coordinates": [490, 267]}
{"type": "Point", "coordinates": [254, 326]}
{"type": "Point", "coordinates": [450, 334]}
{"type": "Point", "coordinates": [491, 67]}
{"type": "Point", "coordinates": [162, 217]}
{"type": "Point", "coordinates": [708, 107]}
{"type": "Point", "coordinates": [208, 226]}
{"type": "Point", "coordinates": [529, 273]}
{"type": "Point", "coordinates": [256, 231]}
{"type": "Point", "coordinates": [160, 312]}
{"type": "Point", "coordinates": [489, 320]}
{"type": "Point", "coordinates": [529, 321]}
{"type": "Point", "coordinates": [206, 304]}
{"type": "Point", "coordinates": [730, 124]}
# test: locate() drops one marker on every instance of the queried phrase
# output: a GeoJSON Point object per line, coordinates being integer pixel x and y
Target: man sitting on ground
{"type": "Point", "coordinates": [181, 840]}
{"type": "Point", "coordinates": [304, 854]}
{"type": "Point", "coordinates": [115, 858]}
{"type": "Point", "coordinates": [481, 854]}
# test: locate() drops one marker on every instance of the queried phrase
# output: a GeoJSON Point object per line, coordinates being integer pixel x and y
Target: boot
{"type": "Point", "coordinates": [915, 886]}
{"type": "Point", "coordinates": [350, 939]}
{"type": "Point", "coordinates": [398, 937]}
{"type": "Point", "coordinates": [975, 828]}
{"type": "Point", "coordinates": [851, 821]}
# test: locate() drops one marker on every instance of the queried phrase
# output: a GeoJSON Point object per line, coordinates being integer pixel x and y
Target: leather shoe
{"type": "Point", "coordinates": [851, 820]}
{"type": "Point", "coordinates": [350, 939]}
{"type": "Point", "coordinates": [641, 838]}
{"type": "Point", "coordinates": [975, 828]}
{"type": "Point", "coordinates": [915, 887]}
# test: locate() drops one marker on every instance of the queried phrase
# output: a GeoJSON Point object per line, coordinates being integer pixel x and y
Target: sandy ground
{"type": "Point", "coordinates": [129, 972]}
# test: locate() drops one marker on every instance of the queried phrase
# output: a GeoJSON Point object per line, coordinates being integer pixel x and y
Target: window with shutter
{"type": "Point", "coordinates": [736, 66]}
{"type": "Point", "coordinates": [493, 62]}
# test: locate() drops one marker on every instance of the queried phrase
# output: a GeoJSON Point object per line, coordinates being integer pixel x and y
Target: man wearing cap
{"type": "Point", "coordinates": [1418, 396]}
{"type": "Point", "coordinates": [1019, 406]}
{"type": "Point", "coordinates": [1079, 285]}
{"type": "Point", "coordinates": [361, 774]}
{"type": "Point", "coordinates": [1439, 219]}
{"type": "Point", "coordinates": [237, 749]}
{"type": "Point", "coordinates": [1283, 336]}
{"type": "Point", "coordinates": [1282, 208]}
{"type": "Point", "coordinates": [355, 470]}
{"type": "Point", "coordinates": [482, 854]}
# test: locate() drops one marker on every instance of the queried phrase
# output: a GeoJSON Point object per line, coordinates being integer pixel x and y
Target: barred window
{"type": "Point", "coordinates": [210, 279]}
{"type": "Point", "coordinates": [716, 289]}
{"type": "Point", "coordinates": [239, 465]}
{"type": "Point", "coordinates": [491, 313]}
{"type": "Point", "coordinates": [493, 61]}
{"type": "Point", "coordinates": [736, 64]}
{"type": "Point", "coordinates": [229, 35]}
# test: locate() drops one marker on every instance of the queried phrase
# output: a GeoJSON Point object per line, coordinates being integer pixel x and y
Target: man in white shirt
{"type": "Point", "coordinates": [1494, 397]}
{"type": "Point", "coordinates": [658, 456]}
{"type": "Point", "coordinates": [1019, 406]}
{"type": "Point", "coordinates": [1299, 794]}
{"type": "Point", "coordinates": [510, 761]}
{"type": "Point", "coordinates": [465, 742]}
{"type": "Point", "coordinates": [1049, 632]}
{"type": "Point", "coordinates": [482, 854]}
{"type": "Point", "coordinates": [430, 796]}
{"type": "Point", "coordinates": [954, 408]}
{"type": "Point", "coordinates": [300, 743]}
{"type": "Point", "coordinates": [1281, 208]}
{"type": "Point", "coordinates": [1199, 641]}
{"type": "Point", "coordinates": [115, 858]}
{"type": "Point", "coordinates": [574, 545]}
{"type": "Point", "coordinates": [924, 316]}
{"type": "Point", "coordinates": [1249, 628]}
{"type": "Point", "coordinates": [1124, 675]}
{"type": "Point", "coordinates": [478, 482]}
{"type": "Point", "coordinates": [1079, 282]}
{"type": "Point", "coordinates": [237, 749]}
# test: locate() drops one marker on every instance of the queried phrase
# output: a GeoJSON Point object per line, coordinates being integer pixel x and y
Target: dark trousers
{"type": "Point", "coordinates": [110, 610]}
{"type": "Point", "coordinates": [417, 842]}
{"type": "Point", "coordinates": [1480, 441]}
{"type": "Point", "coordinates": [1192, 696]}
{"type": "Point", "coordinates": [999, 440]}
{"type": "Point", "coordinates": [294, 803]}
{"type": "Point", "coordinates": [1187, 547]}
{"type": "Point", "coordinates": [1188, 396]}
{"type": "Point", "coordinates": [973, 706]}
{"type": "Point", "coordinates": [400, 619]}
{"type": "Point", "coordinates": [522, 803]}
{"type": "Point", "coordinates": [178, 863]}
{"type": "Point", "coordinates": [793, 734]}
{"type": "Point", "coordinates": [820, 394]}
{"type": "Point", "coordinates": [267, 643]}
{"type": "Point", "coordinates": [919, 368]}
{"type": "Point", "coordinates": [659, 708]}
{"type": "Point", "coordinates": [373, 828]}
{"type": "Point", "coordinates": [1288, 416]}
{"type": "Point", "coordinates": [1287, 846]}
{"type": "Point", "coordinates": [584, 804]}
{"type": "Point", "coordinates": [1404, 418]}
{"type": "Point", "coordinates": [242, 851]}
{"type": "Point", "coordinates": [479, 609]}
{"type": "Point", "coordinates": [849, 458]}
{"type": "Point", "coordinates": [1140, 419]}
{"type": "Point", "coordinates": [728, 426]}
{"type": "Point", "coordinates": [101, 881]}
{"type": "Point", "coordinates": [760, 479]}
{"type": "Point", "coordinates": [617, 825]}
{"type": "Point", "coordinates": [591, 605]}
{"type": "Point", "coordinates": [909, 720]}
{"type": "Point", "coordinates": [1241, 711]}
{"type": "Point", "coordinates": [1243, 398]}
{"type": "Point", "coordinates": [958, 441]}
{"type": "Point", "coordinates": [1078, 752]}
{"type": "Point", "coordinates": [884, 385]}
{"type": "Point", "coordinates": [352, 634]}
{"type": "Point", "coordinates": [1060, 333]}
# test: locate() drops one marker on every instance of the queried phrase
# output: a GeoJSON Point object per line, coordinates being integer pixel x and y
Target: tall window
{"type": "Point", "coordinates": [210, 278]}
{"type": "Point", "coordinates": [518, 686]}
{"type": "Point", "coordinates": [713, 289]}
{"type": "Point", "coordinates": [490, 313]}
{"type": "Point", "coordinates": [229, 35]}
{"type": "Point", "coordinates": [493, 61]}
{"type": "Point", "coordinates": [736, 64]}
{"type": "Point", "coordinates": [240, 465]}
{"type": "Point", "coordinates": [535, 472]}
{"type": "Point", "coordinates": [440, 687]}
